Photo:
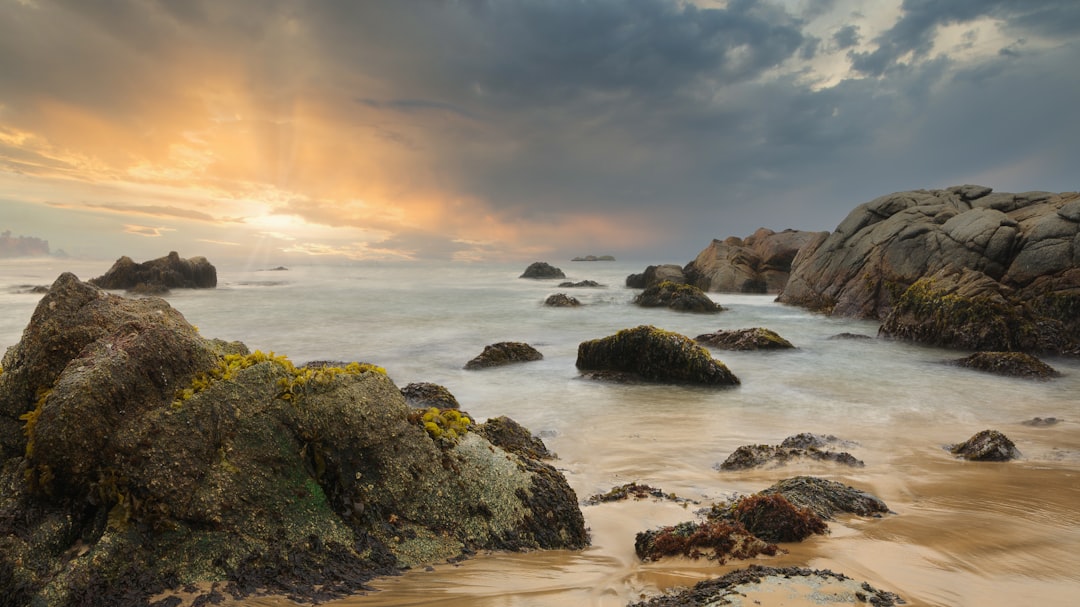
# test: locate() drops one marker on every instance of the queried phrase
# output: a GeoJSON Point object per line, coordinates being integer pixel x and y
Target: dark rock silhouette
{"type": "Point", "coordinates": [159, 275]}
{"type": "Point", "coordinates": [504, 353]}
{"type": "Point", "coordinates": [542, 270]}
{"type": "Point", "coordinates": [652, 355]}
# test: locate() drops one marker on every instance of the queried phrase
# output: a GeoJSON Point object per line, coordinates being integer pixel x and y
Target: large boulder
{"type": "Point", "coordinates": [827, 498]}
{"type": "Point", "coordinates": [653, 355]}
{"type": "Point", "coordinates": [140, 457]}
{"type": "Point", "coordinates": [159, 275]}
{"type": "Point", "coordinates": [677, 296]}
{"type": "Point", "coordinates": [1013, 256]}
{"type": "Point", "coordinates": [760, 263]}
{"type": "Point", "coordinates": [986, 446]}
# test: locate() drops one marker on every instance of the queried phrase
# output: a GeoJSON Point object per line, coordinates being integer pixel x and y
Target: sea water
{"type": "Point", "coordinates": [962, 533]}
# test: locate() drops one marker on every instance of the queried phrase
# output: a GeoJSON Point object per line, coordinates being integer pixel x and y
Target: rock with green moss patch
{"type": "Point", "coordinates": [504, 353]}
{"type": "Point", "coordinates": [677, 296]}
{"type": "Point", "coordinates": [146, 457]}
{"type": "Point", "coordinates": [1011, 364]}
{"type": "Point", "coordinates": [654, 355]}
{"type": "Point", "coordinates": [757, 338]}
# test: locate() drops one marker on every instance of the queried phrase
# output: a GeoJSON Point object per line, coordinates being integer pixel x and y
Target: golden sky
{"type": "Point", "coordinates": [507, 130]}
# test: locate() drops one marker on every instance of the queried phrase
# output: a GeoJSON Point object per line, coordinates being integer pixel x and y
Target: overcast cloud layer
{"type": "Point", "coordinates": [517, 128]}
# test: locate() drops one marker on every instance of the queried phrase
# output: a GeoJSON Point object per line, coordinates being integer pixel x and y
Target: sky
{"type": "Point", "coordinates": [293, 130]}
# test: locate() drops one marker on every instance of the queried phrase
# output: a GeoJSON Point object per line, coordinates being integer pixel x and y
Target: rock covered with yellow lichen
{"type": "Point", "coordinates": [139, 456]}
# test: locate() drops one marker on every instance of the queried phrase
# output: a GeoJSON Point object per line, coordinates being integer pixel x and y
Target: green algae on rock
{"type": "Point", "coordinates": [677, 296]}
{"type": "Point", "coordinates": [300, 480]}
{"type": "Point", "coordinates": [504, 353]}
{"type": "Point", "coordinates": [757, 338]}
{"type": "Point", "coordinates": [654, 355]}
{"type": "Point", "coordinates": [1011, 364]}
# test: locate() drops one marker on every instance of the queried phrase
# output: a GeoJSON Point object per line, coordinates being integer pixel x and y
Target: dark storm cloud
{"type": "Point", "coordinates": [846, 37]}
{"type": "Point", "coordinates": [914, 31]}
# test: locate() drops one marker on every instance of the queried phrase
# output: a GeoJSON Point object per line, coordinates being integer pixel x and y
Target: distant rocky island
{"type": "Point", "coordinates": [22, 246]}
{"type": "Point", "coordinates": [594, 258]}
{"type": "Point", "coordinates": [158, 275]}
{"type": "Point", "coordinates": [962, 267]}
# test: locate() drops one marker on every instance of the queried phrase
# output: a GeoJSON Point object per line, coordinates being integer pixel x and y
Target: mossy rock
{"type": "Point", "coordinates": [151, 458]}
{"type": "Point", "coordinates": [654, 355]}
{"type": "Point", "coordinates": [677, 296]}
{"type": "Point", "coordinates": [504, 353]}
{"type": "Point", "coordinates": [1010, 364]}
{"type": "Point", "coordinates": [562, 300]}
{"type": "Point", "coordinates": [758, 338]}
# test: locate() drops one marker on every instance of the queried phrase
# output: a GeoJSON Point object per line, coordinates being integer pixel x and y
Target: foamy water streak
{"type": "Point", "coordinates": [964, 533]}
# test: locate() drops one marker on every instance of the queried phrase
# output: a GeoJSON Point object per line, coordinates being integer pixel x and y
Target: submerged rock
{"type": "Point", "coordinates": [582, 284]}
{"type": "Point", "coordinates": [139, 457]}
{"type": "Point", "coordinates": [681, 297]}
{"type": "Point", "coordinates": [1012, 364]}
{"type": "Point", "coordinates": [654, 355]}
{"type": "Point", "coordinates": [634, 490]}
{"type": "Point", "coordinates": [986, 446]}
{"type": "Point", "coordinates": [758, 583]}
{"type": "Point", "coordinates": [827, 498]}
{"type": "Point", "coordinates": [758, 456]}
{"type": "Point", "coordinates": [745, 339]}
{"type": "Point", "coordinates": [159, 275]}
{"type": "Point", "coordinates": [771, 517]}
{"type": "Point", "coordinates": [504, 353]}
{"type": "Point", "coordinates": [561, 300]}
{"type": "Point", "coordinates": [1042, 422]}
{"type": "Point", "coordinates": [542, 269]}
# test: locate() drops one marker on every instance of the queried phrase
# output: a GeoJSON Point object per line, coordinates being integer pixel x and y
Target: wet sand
{"type": "Point", "coordinates": [963, 533]}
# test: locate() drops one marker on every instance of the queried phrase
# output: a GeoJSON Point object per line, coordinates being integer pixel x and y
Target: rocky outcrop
{"type": "Point", "coordinates": [654, 275]}
{"type": "Point", "coordinates": [757, 338]}
{"type": "Point", "coordinates": [542, 270]}
{"type": "Point", "coordinates": [760, 263]}
{"type": "Point", "coordinates": [972, 256]}
{"type": "Point", "coordinates": [1011, 364]}
{"type": "Point", "coordinates": [758, 456]}
{"type": "Point", "coordinates": [680, 297]}
{"type": "Point", "coordinates": [595, 258]}
{"type": "Point", "coordinates": [653, 355]}
{"type": "Point", "coordinates": [581, 284]}
{"type": "Point", "coordinates": [986, 446]}
{"type": "Point", "coordinates": [562, 300]}
{"type": "Point", "coordinates": [138, 456]}
{"type": "Point", "coordinates": [504, 353]}
{"type": "Point", "coordinates": [159, 275]}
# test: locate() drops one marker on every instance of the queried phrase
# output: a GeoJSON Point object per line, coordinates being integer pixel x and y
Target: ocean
{"type": "Point", "coordinates": [963, 533]}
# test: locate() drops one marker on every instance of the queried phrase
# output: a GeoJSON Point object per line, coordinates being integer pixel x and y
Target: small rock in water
{"type": "Point", "coordinates": [986, 446]}
{"type": "Point", "coordinates": [1040, 422]}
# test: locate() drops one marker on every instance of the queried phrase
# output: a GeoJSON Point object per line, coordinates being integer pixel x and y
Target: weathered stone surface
{"type": "Point", "coordinates": [1013, 364]}
{"type": "Point", "coordinates": [758, 456]}
{"type": "Point", "coordinates": [562, 300]}
{"type": "Point", "coordinates": [1016, 253]}
{"type": "Point", "coordinates": [542, 270]}
{"type": "Point", "coordinates": [827, 498]}
{"type": "Point", "coordinates": [426, 394]}
{"type": "Point", "coordinates": [745, 339]}
{"type": "Point", "coordinates": [654, 355]}
{"type": "Point", "coordinates": [504, 353]}
{"type": "Point", "coordinates": [654, 275]}
{"type": "Point", "coordinates": [986, 446]}
{"type": "Point", "coordinates": [677, 296]}
{"type": "Point", "coordinates": [159, 275]}
{"type": "Point", "coordinates": [759, 583]}
{"type": "Point", "coordinates": [513, 437]}
{"type": "Point", "coordinates": [145, 457]}
{"type": "Point", "coordinates": [759, 263]}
